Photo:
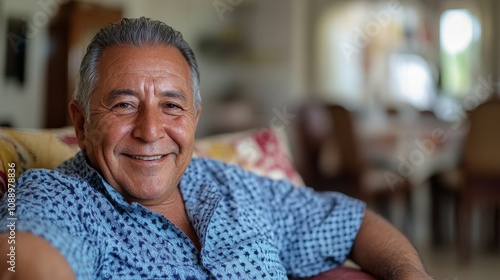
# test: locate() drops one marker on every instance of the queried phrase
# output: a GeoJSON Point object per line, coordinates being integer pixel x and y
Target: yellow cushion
{"type": "Point", "coordinates": [49, 147]}
{"type": "Point", "coordinates": [12, 156]}
{"type": "Point", "coordinates": [34, 148]}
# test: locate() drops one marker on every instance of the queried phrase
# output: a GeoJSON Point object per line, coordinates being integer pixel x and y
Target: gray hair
{"type": "Point", "coordinates": [136, 32]}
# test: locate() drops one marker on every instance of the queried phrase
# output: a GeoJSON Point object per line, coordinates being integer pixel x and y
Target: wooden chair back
{"type": "Point", "coordinates": [482, 145]}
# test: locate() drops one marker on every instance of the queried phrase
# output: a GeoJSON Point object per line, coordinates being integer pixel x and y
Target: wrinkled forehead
{"type": "Point", "coordinates": [129, 65]}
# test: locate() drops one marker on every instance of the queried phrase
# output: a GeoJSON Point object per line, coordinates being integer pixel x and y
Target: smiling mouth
{"type": "Point", "coordinates": [146, 158]}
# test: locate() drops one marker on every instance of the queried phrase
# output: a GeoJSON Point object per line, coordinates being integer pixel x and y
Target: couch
{"type": "Point", "coordinates": [263, 151]}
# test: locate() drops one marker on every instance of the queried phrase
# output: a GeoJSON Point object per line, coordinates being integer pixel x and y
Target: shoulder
{"type": "Point", "coordinates": [48, 189]}
{"type": "Point", "coordinates": [216, 168]}
{"type": "Point", "coordinates": [223, 174]}
{"type": "Point", "coordinates": [73, 169]}
{"type": "Point", "coordinates": [68, 181]}
{"type": "Point", "coordinates": [41, 175]}
{"type": "Point", "coordinates": [53, 196]}
{"type": "Point", "coordinates": [46, 179]}
{"type": "Point", "coordinates": [234, 181]}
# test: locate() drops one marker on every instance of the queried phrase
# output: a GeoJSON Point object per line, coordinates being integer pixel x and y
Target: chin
{"type": "Point", "coordinates": [145, 192]}
{"type": "Point", "coordinates": [144, 196]}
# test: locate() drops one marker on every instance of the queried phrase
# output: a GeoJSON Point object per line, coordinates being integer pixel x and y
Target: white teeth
{"type": "Point", "coordinates": [147, 158]}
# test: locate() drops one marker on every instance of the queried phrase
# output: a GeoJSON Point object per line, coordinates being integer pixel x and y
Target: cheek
{"type": "Point", "coordinates": [104, 133]}
{"type": "Point", "coordinates": [182, 131]}
{"type": "Point", "coordinates": [94, 137]}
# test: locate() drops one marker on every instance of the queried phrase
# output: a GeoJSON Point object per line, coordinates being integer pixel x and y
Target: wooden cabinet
{"type": "Point", "coordinates": [70, 31]}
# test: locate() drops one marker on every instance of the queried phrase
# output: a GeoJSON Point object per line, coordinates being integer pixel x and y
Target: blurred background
{"type": "Point", "coordinates": [394, 102]}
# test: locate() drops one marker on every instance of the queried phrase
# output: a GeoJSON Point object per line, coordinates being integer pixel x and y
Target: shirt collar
{"type": "Point", "coordinates": [195, 183]}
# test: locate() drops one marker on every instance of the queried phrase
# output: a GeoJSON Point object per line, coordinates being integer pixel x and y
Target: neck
{"type": "Point", "coordinates": [174, 210]}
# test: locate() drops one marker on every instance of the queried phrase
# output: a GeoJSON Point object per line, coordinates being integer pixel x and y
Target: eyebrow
{"type": "Point", "coordinates": [129, 92]}
{"type": "Point", "coordinates": [120, 92]}
{"type": "Point", "coordinates": [174, 94]}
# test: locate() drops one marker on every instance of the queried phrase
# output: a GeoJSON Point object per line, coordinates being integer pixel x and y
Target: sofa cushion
{"type": "Point", "coordinates": [12, 152]}
{"type": "Point", "coordinates": [264, 151]}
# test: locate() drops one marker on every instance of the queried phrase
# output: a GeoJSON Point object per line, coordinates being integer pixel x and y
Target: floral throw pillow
{"type": "Point", "coordinates": [262, 151]}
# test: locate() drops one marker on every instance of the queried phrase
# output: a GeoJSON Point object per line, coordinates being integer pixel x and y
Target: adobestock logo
{"type": "Point", "coordinates": [223, 6]}
{"type": "Point", "coordinates": [407, 166]}
{"type": "Point", "coordinates": [484, 90]}
{"type": "Point", "coordinates": [48, 9]}
{"type": "Point", "coordinates": [96, 131]}
{"type": "Point", "coordinates": [281, 118]}
{"type": "Point", "coordinates": [371, 29]}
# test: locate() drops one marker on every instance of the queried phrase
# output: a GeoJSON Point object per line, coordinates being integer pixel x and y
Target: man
{"type": "Point", "coordinates": [134, 205]}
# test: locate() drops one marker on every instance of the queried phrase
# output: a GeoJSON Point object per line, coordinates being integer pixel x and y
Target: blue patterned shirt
{"type": "Point", "coordinates": [249, 227]}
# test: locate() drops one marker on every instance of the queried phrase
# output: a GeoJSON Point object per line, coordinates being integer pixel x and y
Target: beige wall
{"type": "Point", "coordinates": [22, 104]}
{"type": "Point", "coordinates": [275, 73]}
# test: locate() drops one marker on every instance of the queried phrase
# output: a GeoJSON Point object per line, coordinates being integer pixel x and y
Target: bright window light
{"type": "Point", "coordinates": [460, 33]}
{"type": "Point", "coordinates": [411, 80]}
{"type": "Point", "coordinates": [456, 31]}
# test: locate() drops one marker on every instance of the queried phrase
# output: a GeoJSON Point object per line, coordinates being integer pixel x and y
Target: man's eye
{"type": "Point", "coordinates": [171, 106]}
{"type": "Point", "coordinates": [123, 105]}
{"type": "Point", "coordinates": [123, 108]}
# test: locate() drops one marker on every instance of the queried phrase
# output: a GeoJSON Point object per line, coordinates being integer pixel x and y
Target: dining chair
{"type": "Point", "coordinates": [481, 170]}
{"type": "Point", "coordinates": [333, 159]}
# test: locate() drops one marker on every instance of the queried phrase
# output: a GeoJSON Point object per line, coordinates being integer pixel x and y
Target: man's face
{"type": "Point", "coordinates": [142, 121]}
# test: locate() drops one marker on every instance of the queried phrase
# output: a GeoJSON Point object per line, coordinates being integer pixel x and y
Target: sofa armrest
{"type": "Point", "coordinates": [343, 273]}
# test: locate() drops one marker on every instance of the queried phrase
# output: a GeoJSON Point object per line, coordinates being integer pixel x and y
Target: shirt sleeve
{"type": "Point", "coordinates": [315, 230]}
{"type": "Point", "coordinates": [44, 206]}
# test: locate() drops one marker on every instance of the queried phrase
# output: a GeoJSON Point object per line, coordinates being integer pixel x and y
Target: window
{"type": "Point", "coordinates": [459, 36]}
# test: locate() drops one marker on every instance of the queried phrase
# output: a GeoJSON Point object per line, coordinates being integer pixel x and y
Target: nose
{"type": "Point", "coordinates": [149, 126]}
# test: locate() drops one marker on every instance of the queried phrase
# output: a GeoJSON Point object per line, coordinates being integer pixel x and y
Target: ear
{"type": "Point", "coordinates": [197, 116]}
{"type": "Point", "coordinates": [78, 117]}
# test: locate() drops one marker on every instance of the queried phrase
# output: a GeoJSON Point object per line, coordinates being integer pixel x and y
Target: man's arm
{"type": "Point", "coordinates": [35, 258]}
{"type": "Point", "coordinates": [383, 251]}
